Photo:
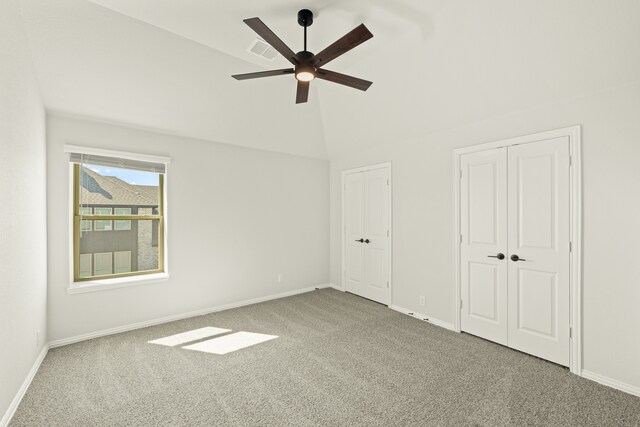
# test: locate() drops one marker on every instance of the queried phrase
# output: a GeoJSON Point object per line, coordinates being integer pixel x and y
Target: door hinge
{"type": "Point", "coordinates": [570, 246]}
{"type": "Point", "coordinates": [387, 182]}
{"type": "Point", "coordinates": [460, 304]}
{"type": "Point", "coordinates": [387, 233]}
{"type": "Point", "coordinates": [461, 238]}
{"type": "Point", "coordinates": [570, 160]}
{"type": "Point", "coordinates": [570, 332]}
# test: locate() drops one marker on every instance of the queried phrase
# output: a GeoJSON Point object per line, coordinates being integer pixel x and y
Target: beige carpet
{"type": "Point", "coordinates": [340, 360]}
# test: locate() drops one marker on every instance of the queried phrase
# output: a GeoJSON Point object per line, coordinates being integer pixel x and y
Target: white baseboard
{"type": "Point", "coordinates": [336, 287]}
{"type": "Point", "coordinates": [23, 389]}
{"type": "Point", "coordinates": [423, 317]}
{"type": "Point", "coordinates": [610, 382]}
{"type": "Point", "coordinates": [147, 323]}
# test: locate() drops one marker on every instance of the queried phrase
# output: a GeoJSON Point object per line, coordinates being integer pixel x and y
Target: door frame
{"type": "Point", "coordinates": [385, 165]}
{"type": "Point", "coordinates": [575, 227]}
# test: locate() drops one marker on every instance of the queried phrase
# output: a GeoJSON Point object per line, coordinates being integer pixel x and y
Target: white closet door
{"type": "Point", "coordinates": [367, 240]}
{"type": "Point", "coordinates": [354, 232]}
{"type": "Point", "coordinates": [376, 228]}
{"type": "Point", "coordinates": [483, 214]}
{"type": "Point", "coordinates": [539, 236]}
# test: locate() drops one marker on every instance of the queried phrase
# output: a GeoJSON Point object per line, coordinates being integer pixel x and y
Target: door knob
{"type": "Point", "coordinates": [515, 257]}
{"type": "Point", "coordinates": [367, 241]}
{"type": "Point", "coordinates": [361, 240]}
{"type": "Point", "coordinates": [499, 256]}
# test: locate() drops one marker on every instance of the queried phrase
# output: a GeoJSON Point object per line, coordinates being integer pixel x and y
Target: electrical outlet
{"type": "Point", "coordinates": [280, 277]}
{"type": "Point", "coordinates": [422, 300]}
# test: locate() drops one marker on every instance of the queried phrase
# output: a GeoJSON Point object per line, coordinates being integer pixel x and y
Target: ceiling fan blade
{"type": "Point", "coordinates": [355, 37]}
{"type": "Point", "coordinates": [343, 79]}
{"type": "Point", "coordinates": [263, 74]}
{"type": "Point", "coordinates": [303, 92]}
{"type": "Point", "coordinates": [263, 31]}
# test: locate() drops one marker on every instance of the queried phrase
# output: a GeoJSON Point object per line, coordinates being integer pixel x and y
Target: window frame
{"type": "Point", "coordinates": [160, 217]}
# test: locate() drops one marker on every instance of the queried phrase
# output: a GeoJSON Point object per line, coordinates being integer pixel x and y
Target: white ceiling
{"type": "Point", "coordinates": [435, 64]}
{"type": "Point", "coordinates": [220, 26]}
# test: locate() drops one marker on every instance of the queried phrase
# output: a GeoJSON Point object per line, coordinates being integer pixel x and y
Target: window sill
{"type": "Point", "coordinates": [121, 282]}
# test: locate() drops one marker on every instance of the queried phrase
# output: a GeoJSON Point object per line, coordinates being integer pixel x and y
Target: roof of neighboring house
{"type": "Point", "coordinates": [96, 189]}
{"type": "Point", "coordinates": [149, 190]}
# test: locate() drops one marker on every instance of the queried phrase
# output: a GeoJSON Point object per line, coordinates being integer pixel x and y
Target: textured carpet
{"type": "Point", "coordinates": [339, 360]}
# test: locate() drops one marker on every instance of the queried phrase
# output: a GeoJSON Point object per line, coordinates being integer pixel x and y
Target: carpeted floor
{"type": "Point", "coordinates": [339, 360]}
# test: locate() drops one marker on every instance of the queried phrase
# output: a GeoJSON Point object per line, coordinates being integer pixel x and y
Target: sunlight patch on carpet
{"type": "Point", "coordinates": [185, 337]}
{"type": "Point", "coordinates": [230, 343]}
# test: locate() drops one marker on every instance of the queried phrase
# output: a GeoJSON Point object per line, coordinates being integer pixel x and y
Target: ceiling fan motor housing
{"type": "Point", "coordinates": [304, 56]}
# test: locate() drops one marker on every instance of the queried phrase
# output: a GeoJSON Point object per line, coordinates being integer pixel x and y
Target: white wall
{"type": "Point", "coordinates": [236, 218]}
{"type": "Point", "coordinates": [23, 258]}
{"type": "Point", "coordinates": [423, 217]}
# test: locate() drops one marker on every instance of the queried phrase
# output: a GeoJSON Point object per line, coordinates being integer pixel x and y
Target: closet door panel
{"type": "Point", "coordinates": [483, 216]}
{"type": "Point", "coordinates": [539, 244]}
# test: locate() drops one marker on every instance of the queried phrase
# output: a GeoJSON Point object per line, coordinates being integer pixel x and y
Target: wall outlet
{"type": "Point", "coordinates": [422, 300]}
{"type": "Point", "coordinates": [280, 277]}
{"type": "Point", "coordinates": [38, 338]}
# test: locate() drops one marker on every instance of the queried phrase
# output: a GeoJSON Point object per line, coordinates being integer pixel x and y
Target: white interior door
{"type": "Point", "coordinates": [354, 232]}
{"type": "Point", "coordinates": [483, 246]}
{"type": "Point", "coordinates": [539, 237]}
{"type": "Point", "coordinates": [367, 238]}
{"type": "Point", "coordinates": [376, 230]}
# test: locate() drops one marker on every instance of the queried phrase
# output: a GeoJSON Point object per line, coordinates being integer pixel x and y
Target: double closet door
{"type": "Point", "coordinates": [515, 247]}
{"type": "Point", "coordinates": [367, 248]}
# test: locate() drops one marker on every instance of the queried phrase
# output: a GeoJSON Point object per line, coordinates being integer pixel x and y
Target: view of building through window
{"type": "Point", "coordinates": [120, 243]}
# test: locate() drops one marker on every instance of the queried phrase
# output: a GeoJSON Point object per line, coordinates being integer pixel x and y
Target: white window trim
{"type": "Point", "coordinates": [116, 283]}
{"type": "Point", "coordinates": [120, 282]}
{"type": "Point", "coordinates": [68, 148]}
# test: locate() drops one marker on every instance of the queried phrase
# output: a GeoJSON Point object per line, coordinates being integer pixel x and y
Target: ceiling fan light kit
{"type": "Point", "coordinates": [307, 66]}
{"type": "Point", "coordinates": [305, 74]}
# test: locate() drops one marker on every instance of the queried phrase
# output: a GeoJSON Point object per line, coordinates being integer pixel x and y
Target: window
{"type": "Point", "coordinates": [85, 264]}
{"type": "Point", "coordinates": [122, 224]}
{"type": "Point", "coordinates": [118, 211]}
{"type": "Point", "coordinates": [102, 264]}
{"type": "Point", "coordinates": [85, 225]}
{"type": "Point", "coordinates": [122, 262]}
{"type": "Point", "coordinates": [101, 224]}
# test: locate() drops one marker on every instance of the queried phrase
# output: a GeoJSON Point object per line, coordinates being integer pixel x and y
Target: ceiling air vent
{"type": "Point", "coordinates": [263, 50]}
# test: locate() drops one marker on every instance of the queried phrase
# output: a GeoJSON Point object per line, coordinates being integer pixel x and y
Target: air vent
{"type": "Point", "coordinates": [263, 50]}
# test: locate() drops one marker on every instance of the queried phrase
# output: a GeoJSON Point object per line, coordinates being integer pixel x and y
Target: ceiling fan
{"type": "Point", "coordinates": [307, 66]}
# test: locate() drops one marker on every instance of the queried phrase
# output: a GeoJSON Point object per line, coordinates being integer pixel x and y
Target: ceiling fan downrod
{"type": "Point", "coordinates": [305, 19]}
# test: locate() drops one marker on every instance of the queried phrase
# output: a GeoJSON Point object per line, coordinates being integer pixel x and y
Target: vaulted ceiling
{"type": "Point", "coordinates": [435, 64]}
